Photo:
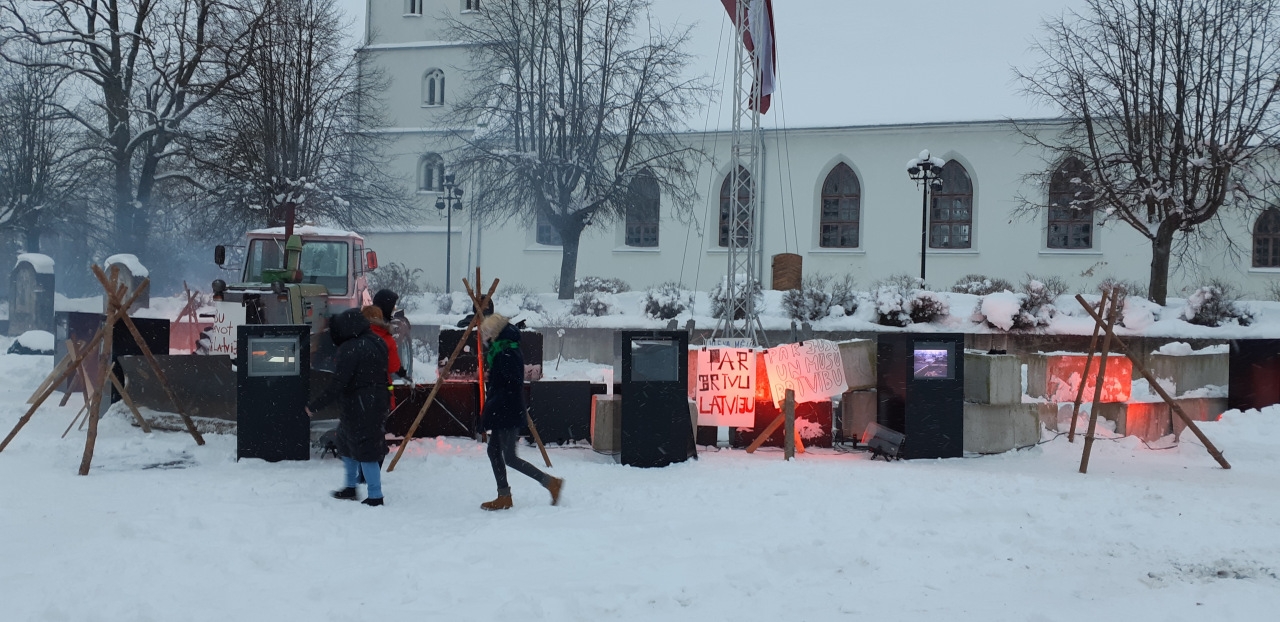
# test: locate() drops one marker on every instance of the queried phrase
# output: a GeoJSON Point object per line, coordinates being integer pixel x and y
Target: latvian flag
{"type": "Point", "coordinates": [759, 17]}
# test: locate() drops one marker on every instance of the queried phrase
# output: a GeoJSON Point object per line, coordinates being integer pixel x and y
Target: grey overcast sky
{"type": "Point", "coordinates": [855, 62]}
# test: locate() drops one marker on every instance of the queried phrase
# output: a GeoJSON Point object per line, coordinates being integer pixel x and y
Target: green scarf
{"type": "Point", "coordinates": [496, 348]}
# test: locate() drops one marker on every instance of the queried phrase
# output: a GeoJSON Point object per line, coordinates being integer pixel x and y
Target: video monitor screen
{"type": "Point", "coordinates": [273, 356]}
{"type": "Point", "coordinates": [932, 361]}
{"type": "Point", "coordinates": [655, 360]}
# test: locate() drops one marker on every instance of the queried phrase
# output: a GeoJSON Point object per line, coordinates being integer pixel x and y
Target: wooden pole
{"type": "Point", "coordinates": [124, 395]}
{"type": "Point", "coordinates": [151, 360]}
{"type": "Point", "coordinates": [57, 369]}
{"type": "Point", "coordinates": [104, 367]}
{"type": "Point", "coordinates": [789, 428]}
{"type": "Point", "coordinates": [66, 373]}
{"type": "Point", "coordinates": [1093, 344]}
{"type": "Point", "coordinates": [1151, 379]}
{"type": "Point", "coordinates": [1097, 387]}
{"type": "Point", "coordinates": [479, 337]}
{"type": "Point", "coordinates": [83, 409]}
{"type": "Point", "coordinates": [439, 381]}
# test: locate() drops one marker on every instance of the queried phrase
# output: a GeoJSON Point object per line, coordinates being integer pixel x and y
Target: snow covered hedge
{"type": "Point", "coordinates": [666, 301]}
{"type": "Point", "coordinates": [899, 302]}
{"type": "Point", "coordinates": [1216, 304]}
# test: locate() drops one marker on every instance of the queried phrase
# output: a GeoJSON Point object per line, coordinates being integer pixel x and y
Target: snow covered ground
{"type": "Point", "coordinates": [165, 530]}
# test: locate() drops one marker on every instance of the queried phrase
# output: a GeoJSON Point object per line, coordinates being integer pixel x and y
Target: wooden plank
{"type": "Point", "coordinates": [124, 395]}
{"type": "Point", "coordinates": [769, 429]}
{"type": "Point", "coordinates": [1093, 344]}
{"type": "Point", "coordinates": [789, 427]}
{"type": "Point", "coordinates": [1097, 387]}
{"type": "Point", "coordinates": [104, 367]}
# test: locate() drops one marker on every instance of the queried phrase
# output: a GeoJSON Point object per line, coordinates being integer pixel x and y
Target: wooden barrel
{"type": "Point", "coordinates": [787, 271]}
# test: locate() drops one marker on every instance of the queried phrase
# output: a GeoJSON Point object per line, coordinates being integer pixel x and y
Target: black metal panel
{"type": "Point", "coordinates": [464, 367]}
{"type": "Point", "coordinates": [920, 392]}
{"type": "Point", "coordinates": [271, 419]}
{"type": "Point", "coordinates": [656, 430]}
{"type": "Point", "coordinates": [81, 327]}
{"type": "Point", "coordinates": [454, 412]}
{"type": "Point", "coordinates": [1254, 376]}
{"type": "Point", "coordinates": [561, 410]}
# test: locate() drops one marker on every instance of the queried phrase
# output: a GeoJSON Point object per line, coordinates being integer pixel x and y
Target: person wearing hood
{"type": "Point", "coordinates": [504, 410]}
{"type": "Point", "coordinates": [360, 382]}
{"type": "Point", "coordinates": [383, 331]}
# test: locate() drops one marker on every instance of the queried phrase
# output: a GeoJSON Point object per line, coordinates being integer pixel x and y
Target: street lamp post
{"type": "Point", "coordinates": [926, 170]}
{"type": "Point", "coordinates": [449, 201]}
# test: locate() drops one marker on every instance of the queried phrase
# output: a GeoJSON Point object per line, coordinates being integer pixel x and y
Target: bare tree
{"type": "Point", "coordinates": [40, 165]}
{"type": "Point", "coordinates": [572, 101]}
{"type": "Point", "coordinates": [145, 66]}
{"type": "Point", "coordinates": [1168, 104]}
{"type": "Point", "coordinates": [287, 133]}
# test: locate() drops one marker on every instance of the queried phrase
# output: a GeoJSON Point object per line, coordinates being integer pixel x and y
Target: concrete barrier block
{"type": "Point", "coordinates": [857, 409]}
{"type": "Point", "coordinates": [1192, 371]}
{"type": "Point", "coordinates": [1198, 409]}
{"type": "Point", "coordinates": [859, 359]}
{"type": "Point", "coordinates": [992, 378]}
{"type": "Point", "coordinates": [1049, 413]}
{"type": "Point", "coordinates": [606, 423]}
{"type": "Point", "coordinates": [1056, 377]}
{"type": "Point", "coordinates": [997, 428]}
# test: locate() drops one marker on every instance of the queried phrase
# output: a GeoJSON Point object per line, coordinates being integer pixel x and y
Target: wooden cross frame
{"type": "Point", "coordinates": [1108, 325]}
{"type": "Point", "coordinates": [448, 366]}
{"type": "Point", "coordinates": [117, 312]}
{"type": "Point", "coordinates": [533, 429]}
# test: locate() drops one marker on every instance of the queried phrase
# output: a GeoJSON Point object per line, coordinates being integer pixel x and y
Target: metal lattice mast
{"type": "Point", "coordinates": [744, 201]}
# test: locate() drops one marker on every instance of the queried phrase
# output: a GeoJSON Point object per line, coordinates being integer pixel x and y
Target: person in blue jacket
{"type": "Point", "coordinates": [504, 410]}
{"type": "Point", "coordinates": [360, 381]}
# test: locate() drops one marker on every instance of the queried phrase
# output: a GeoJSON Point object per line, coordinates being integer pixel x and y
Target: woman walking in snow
{"type": "Point", "coordinates": [504, 410]}
{"type": "Point", "coordinates": [360, 381]}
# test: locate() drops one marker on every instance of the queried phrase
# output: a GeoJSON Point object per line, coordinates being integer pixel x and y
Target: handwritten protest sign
{"type": "Point", "coordinates": [812, 369]}
{"type": "Point", "coordinates": [726, 387]}
{"type": "Point", "coordinates": [223, 334]}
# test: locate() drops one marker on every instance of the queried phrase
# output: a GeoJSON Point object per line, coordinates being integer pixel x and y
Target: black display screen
{"type": "Point", "coordinates": [654, 360]}
{"type": "Point", "coordinates": [933, 361]}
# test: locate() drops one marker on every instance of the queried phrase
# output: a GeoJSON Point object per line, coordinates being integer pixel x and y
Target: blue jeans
{"type": "Point", "coordinates": [372, 472]}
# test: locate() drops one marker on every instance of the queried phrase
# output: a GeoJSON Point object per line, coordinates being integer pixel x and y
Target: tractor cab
{"type": "Point", "coordinates": [304, 278]}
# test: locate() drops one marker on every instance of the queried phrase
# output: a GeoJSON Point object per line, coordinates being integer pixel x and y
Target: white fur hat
{"type": "Point", "coordinates": [491, 326]}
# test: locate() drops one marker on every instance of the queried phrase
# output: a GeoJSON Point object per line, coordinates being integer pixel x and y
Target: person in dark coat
{"type": "Point", "coordinates": [504, 410]}
{"type": "Point", "coordinates": [360, 381]}
{"type": "Point", "coordinates": [385, 300]}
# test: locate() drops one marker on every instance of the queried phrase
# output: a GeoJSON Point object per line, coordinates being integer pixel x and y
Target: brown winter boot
{"type": "Point", "coordinates": [554, 487]}
{"type": "Point", "coordinates": [503, 502]}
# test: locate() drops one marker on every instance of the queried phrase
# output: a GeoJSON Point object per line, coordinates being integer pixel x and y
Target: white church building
{"type": "Point", "coordinates": [839, 197]}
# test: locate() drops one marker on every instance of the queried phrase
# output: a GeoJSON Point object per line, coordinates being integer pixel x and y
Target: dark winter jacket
{"type": "Point", "coordinates": [504, 388]}
{"type": "Point", "coordinates": [360, 381]}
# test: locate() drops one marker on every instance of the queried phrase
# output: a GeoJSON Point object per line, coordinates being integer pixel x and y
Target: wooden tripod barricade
{"type": "Point", "coordinates": [117, 312]}
{"type": "Point", "coordinates": [480, 303]}
{"type": "Point", "coordinates": [1108, 326]}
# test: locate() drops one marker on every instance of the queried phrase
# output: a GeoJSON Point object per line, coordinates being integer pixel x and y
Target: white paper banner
{"type": "Point", "coordinates": [725, 387]}
{"type": "Point", "coordinates": [223, 335]}
{"type": "Point", "coordinates": [812, 369]}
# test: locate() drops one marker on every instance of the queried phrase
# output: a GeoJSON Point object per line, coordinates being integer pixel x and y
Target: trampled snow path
{"type": "Point", "coordinates": [1146, 535]}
